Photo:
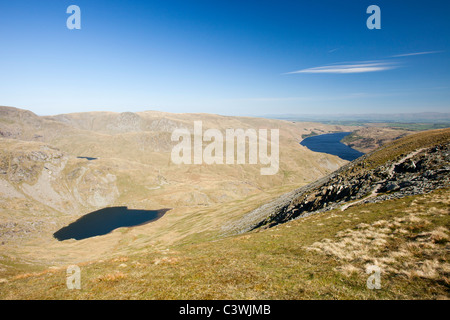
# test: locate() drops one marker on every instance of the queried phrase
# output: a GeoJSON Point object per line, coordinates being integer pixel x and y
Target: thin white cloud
{"type": "Point", "coordinates": [361, 67]}
{"type": "Point", "coordinates": [415, 54]}
{"type": "Point", "coordinates": [333, 50]}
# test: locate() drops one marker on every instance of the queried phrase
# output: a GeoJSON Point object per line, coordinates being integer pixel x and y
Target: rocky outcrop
{"type": "Point", "coordinates": [125, 122]}
{"type": "Point", "coordinates": [418, 172]}
{"type": "Point", "coordinates": [22, 165]}
{"type": "Point", "coordinates": [38, 171]}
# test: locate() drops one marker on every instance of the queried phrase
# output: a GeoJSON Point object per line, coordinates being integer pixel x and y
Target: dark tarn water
{"type": "Point", "coordinates": [88, 158]}
{"type": "Point", "coordinates": [331, 143]}
{"type": "Point", "coordinates": [104, 221]}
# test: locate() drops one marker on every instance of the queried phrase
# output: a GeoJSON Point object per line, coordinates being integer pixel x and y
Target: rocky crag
{"type": "Point", "coordinates": [409, 171]}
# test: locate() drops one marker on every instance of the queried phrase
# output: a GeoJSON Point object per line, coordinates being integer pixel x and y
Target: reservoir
{"type": "Point", "coordinates": [104, 221]}
{"type": "Point", "coordinates": [331, 143]}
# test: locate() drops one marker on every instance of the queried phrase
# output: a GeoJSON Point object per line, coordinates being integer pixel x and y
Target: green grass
{"type": "Point", "coordinates": [276, 263]}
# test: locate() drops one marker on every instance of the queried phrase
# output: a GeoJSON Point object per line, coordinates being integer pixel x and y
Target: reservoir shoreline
{"type": "Point", "coordinates": [331, 143]}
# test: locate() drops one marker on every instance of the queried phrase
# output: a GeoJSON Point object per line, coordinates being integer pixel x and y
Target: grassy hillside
{"type": "Point", "coordinates": [44, 185]}
{"type": "Point", "coordinates": [188, 254]}
{"type": "Point", "coordinates": [320, 257]}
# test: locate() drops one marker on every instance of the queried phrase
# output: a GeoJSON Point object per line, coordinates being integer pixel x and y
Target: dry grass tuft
{"type": "Point", "coordinates": [398, 246]}
{"type": "Point", "coordinates": [348, 269]}
{"type": "Point", "coordinates": [120, 259]}
{"type": "Point", "coordinates": [111, 277]}
{"type": "Point", "coordinates": [166, 260]}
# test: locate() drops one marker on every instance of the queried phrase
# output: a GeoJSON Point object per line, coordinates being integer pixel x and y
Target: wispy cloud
{"type": "Point", "coordinates": [415, 54]}
{"type": "Point", "coordinates": [360, 67]}
{"type": "Point", "coordinates": [333, 50]}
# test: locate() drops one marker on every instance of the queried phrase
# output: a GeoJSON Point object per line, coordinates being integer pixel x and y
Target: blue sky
{"type": "Point", "coordinates": [234, 57]}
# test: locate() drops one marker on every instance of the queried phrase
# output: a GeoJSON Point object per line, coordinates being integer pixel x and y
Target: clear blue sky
{"type": "Point", "coordinates": [233, 57]}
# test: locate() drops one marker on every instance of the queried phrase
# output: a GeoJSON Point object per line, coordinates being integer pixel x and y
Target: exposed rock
{"type": "Point", "coordinates": [390, 186]}
{"type": "Point", "coordinates": [164, 125]}
{"type": "Point", "coordinates": [127, 122]}
{"type": "Point", "coordinates": [417, 173]}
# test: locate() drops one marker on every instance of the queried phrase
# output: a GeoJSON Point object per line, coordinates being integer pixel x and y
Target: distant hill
{"type": "Point", "coordinates": [422, 117]}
